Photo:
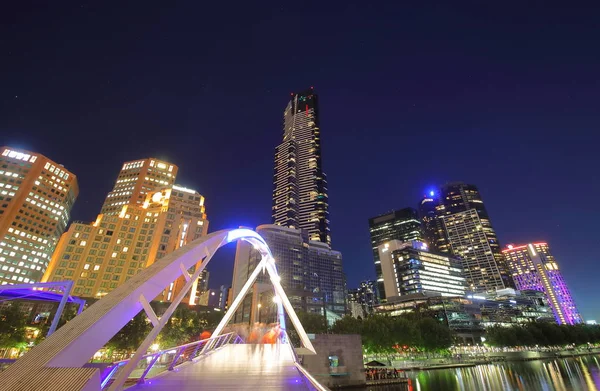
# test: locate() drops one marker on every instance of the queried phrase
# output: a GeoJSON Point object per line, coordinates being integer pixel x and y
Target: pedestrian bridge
{"type": "Point", "coordinates": [222, 362]}
{"type": "Point", "coordinates": [236, 367]}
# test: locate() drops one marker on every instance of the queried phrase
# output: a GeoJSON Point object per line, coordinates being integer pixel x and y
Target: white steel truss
{"type": "Point", "coordinates": [72, 345]}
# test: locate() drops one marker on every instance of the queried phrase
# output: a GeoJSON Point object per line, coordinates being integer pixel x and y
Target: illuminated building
{"type": "Point", "coordinates": [431, 225]}
{"type": "Point", "coordinates": [460, 197]}
{"type": "Point", "coordinates": [468, 316]}
{"type": "Point", "coordinates": [468, 241]}
{"type": "Point", "coordinates": [300, 198]}
{"type": "Point", "coordinates": [36, 197]}
{"type": "Point", "coordinates": [403, 225]}
{"type": "Point", "coordinates": [135, 180]}
{"type": "Point", "coordinates": [310, 272]}
{"type": "Point", "coordinates": [366, 295]}
{"type": "Point", "coordinates": [533, 267]}
{"type": "Point", "coordinates": [409, 268]}
{"type": "Point", "coordinates": [102, 255]}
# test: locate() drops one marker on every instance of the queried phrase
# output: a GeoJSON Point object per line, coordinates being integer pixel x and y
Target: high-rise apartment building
{"type": "Point", "coordinates": [403, 225]}
{"type": "Point", "coordinates": [36, 197]}
{"type": "Point", "coordinates": [410, 268]}
{"type": "Point", "coordinates": [366, 295]}
{"type": "Point", "coordinates": [135, 180]}
{"type": "Point", "coordinates": [311, 273]}
{"type": "Point", "coordinates": [300, 199]}
{"type": "Point", "coordinates": [459, 197]}
{"type": "Point", "coordinates": [102, 255]}
{"type": "Point", "coordinates": [468, 241]}
{"type": "Point", "coordinates": [533, 267]}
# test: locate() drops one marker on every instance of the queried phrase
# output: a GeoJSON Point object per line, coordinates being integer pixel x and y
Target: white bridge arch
{"type": "Point", "coordinates": [57, 362]}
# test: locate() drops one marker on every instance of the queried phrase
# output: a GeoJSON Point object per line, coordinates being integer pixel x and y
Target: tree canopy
{"type": "Point", "coordinates": [386, 334]}
{"type": "Point", "coordinates": [542, 334]}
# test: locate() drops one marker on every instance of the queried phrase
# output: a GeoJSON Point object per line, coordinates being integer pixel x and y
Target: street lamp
{"type": "Point", "coordinates": [259, 305]}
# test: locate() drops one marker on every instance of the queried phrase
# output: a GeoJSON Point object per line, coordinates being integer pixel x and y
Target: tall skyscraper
{"type": "Point", "coordinates": [409, 268]}
{"type": "Point", "coordinates": [102, 255]}
{"type": "Point", "coordinates": [36, 197]}
{"type": "Point", "coordinates": [431, 225]}
{"type": "Point", "coordinates": [533, 267]}
{"type": "Point", "coordinates": [311, 273]}
{"type": "Point", "coordinates": [468, 241]}
{"type": "Point", "coordinates": [300, 197]}
{"type": "Point", "coordinates": [458, 197]}
{"type": "Point", "coordinates": [135, 180]}
{"type": "Point", "coordinates": [403, 225]}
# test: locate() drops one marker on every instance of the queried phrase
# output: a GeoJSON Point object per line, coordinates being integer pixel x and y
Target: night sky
{"type": "Point", "coordinates": [502, 96]}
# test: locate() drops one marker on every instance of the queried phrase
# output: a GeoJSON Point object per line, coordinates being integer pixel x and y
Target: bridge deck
{"type": "Point", "coordinates": [239, 367]}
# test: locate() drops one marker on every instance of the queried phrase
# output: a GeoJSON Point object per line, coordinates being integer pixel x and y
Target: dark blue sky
{"type": "Point", "coordinates": [503, 96]}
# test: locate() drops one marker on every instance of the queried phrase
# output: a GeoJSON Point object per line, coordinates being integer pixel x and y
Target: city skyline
{"type": "Point", "coordinates": [509, 119]}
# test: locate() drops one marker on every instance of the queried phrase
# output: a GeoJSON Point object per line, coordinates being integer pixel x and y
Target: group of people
{"type": "Point", "coordinates": [259, 333]}
{"type": "Point", "coordinates": [383, 373]}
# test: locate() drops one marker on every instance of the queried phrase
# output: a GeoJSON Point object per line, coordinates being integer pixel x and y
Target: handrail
{"type": "Point", "coordinates": [179, 355]}
{"type": "Point", "coordinates": [313, 382]}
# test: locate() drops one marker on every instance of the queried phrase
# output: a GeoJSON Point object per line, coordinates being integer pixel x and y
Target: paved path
{"type": "Point", "coordinates": [235, 367]}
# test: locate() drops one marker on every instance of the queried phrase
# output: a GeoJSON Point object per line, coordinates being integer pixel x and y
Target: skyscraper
{"type": "Point", "coordinates": [458, 197]}
{"type": "Point", "coordinates": [431, 225]}
{"type": "Point", "coordinates": [102, 255]}
{"type": "Point", "coordinates": [468, 241]}
{"type": "Point", "coordinates": [311, 273]}
{"type": "Point", "coordinates": [135, 180]}
{"type": "Point", "coordinates": [36, 197]}
{"type": "Point", "coordinates": [300, 197]}
{"type": "Point", "coordinates": [533, 267]}
{"type": "Point", "coordinates": [403, 225]}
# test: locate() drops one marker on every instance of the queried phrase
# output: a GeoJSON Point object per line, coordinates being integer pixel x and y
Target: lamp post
{"type": "Point", "coordinates": [259, 306]}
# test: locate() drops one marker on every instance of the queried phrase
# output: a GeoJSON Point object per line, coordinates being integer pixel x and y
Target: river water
{"type": "Point", "coordinates": [565, 374]}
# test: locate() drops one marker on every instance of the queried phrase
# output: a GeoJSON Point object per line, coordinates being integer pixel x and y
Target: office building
{"type": "Point", "coordinates": [468, 241]}
{"type": "Point", "coordinates": [366, 295]}
{"type": "Point", "coordinates": [431, 225]}
{"type": "Point", "coordinates": [135, 180]}
{"type": "Point", "coordinates": [533, 267]}
{"type": "Point", "coordinates": [458, 197]}
{"type": "Point", "coordinates": [300, 199]}
{"type": "Point", "coordinates": [36, 197]}
{"type": "Point", "coordinates": [310, 272]}
{"type": "Point", "coordinates": [409, 268]}
{"type": "Point", "coordinates": [468, 316]}
{"type": "Point", "coordinates": [403, 225]}
{"type": "Point", "coordinates": [102, 255]}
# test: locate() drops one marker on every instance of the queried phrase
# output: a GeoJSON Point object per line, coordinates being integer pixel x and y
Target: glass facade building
{"type": "Point", "coordinates": [533, 267]}
{"type": "Point", "coordinates": [311, 273]}
{"type": "Point", "coordinates": [409, 268]}
{"type": "Point", "coordinates": [36, 197]}
{"type": "Point", "coordinates": [403, 225]}
{"type": "Point", "coordinates": [300, 199]}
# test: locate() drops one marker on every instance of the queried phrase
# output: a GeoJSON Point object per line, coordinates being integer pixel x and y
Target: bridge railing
{"type": "Point", "coordinates": [311, 382]}
{"type": "Point", "coordinates": [155, 363]}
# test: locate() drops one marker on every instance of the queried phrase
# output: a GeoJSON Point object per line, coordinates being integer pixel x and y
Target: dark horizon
{"type": "Point", "coordinates": [410, 96]}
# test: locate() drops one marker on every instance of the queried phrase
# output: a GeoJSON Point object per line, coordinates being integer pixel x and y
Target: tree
{"type": "Point", "coordinates": [131, 336]}
{"type": "Point", "coordinates": [12, 327]}
{"type": "Point", "coordinates": [434, 335]}
{"type": "Point", "coordinates": [312, 323]}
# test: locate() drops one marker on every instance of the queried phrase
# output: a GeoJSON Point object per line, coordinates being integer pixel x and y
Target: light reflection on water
{"type": "Point", "coordinates": [568, 374]}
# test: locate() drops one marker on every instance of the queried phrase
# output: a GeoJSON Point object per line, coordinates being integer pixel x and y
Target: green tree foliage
{"type": "Point", "coordinates": [312, 323]}
{"type": "Point", "coordinates": [542, 334]}
{"type": "Point", "coordinates": [385, 334]}
{"type": "Point", "coordinates": [434, 335]}
{"type": "Point", "coordinates": [12, 327]}
{"type": "Point", "coordinates": [131, 335]}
